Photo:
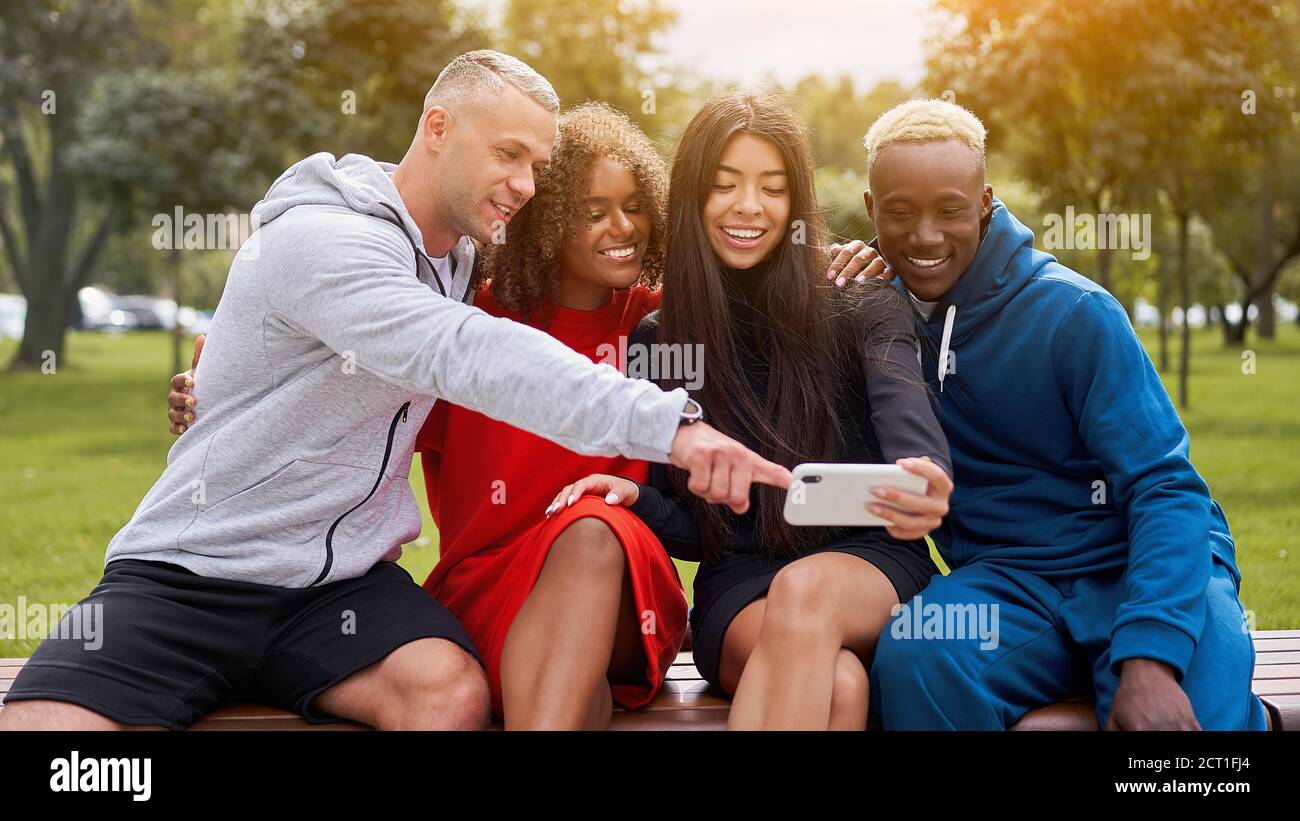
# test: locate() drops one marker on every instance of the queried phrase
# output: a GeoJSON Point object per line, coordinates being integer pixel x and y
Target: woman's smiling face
{"type": "Point", "coordinates": [608, 243]}
{"type": "Point", "coordinates": [747, 211]}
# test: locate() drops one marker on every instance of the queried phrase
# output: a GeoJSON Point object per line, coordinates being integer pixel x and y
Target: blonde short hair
{"type": "Point", "coordinates": [925, 121]}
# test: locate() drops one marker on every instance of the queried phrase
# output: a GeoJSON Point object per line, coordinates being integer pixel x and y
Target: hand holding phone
{"type": "Point", "coordinates": [908, 499]}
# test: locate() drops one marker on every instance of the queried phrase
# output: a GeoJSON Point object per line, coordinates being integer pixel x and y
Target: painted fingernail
{"type": "Point", "coordinates": [840, 282]}
{"type": "Point", "coordinates": [189, 402]}
{"type": "Point", "coordinates": [571, 500]}
{"type": "Point", "coordinates": [189, 383]}
{"type": "Point", "coordinates": [860, 278]}
{"type": "Point", "coordinates": [881, 492]}
{"type": "Point", "coordinates": [182, 428]}
{"type": "Point", "coordinates": [611, 498]}
{"type": "Point", "coordinates": [830, 274]}
{"type": "Point", "coordinates": [189, 417]}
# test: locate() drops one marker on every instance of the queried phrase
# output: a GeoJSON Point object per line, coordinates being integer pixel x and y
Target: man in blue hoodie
{"type": "Point", "coordinates": [1078, 522]}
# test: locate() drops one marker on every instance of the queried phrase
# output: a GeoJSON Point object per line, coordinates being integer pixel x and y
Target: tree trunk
{"type": "Point", "coordinates": [1185, 285]}
{"type": "Point", "coordinates": [43, 332]}
{"type": "Point", "coordinates": [1221, 316]}
{"type": "Point", "coordinates": [1264, 251]}
{"type": "Point", "coordinates": [1267, 323]}
{"type": "Point", "coordinates": [1234, 333]}
{"type": "Point", "coordinates": [47, 299]}
{"type": "Point", "coordinates": [1162, 304]}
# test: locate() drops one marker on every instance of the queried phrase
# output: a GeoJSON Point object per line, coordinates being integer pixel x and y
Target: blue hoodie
{"type": "Point", "coordinates": [1068, 455]}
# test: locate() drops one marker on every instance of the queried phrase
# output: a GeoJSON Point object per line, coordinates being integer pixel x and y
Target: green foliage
{"type": "Point", "coordinates": [595, 50]}
{"type": "Point", "coordinates": [339, 76]}
{"type": "Point", "coordinates": [838, 117]}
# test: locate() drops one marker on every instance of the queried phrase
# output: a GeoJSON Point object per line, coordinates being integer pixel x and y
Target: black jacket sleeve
{"type": "Point", "coordinates": [657, 504]}
{"type": "Point", "coordinates": [901, 411]}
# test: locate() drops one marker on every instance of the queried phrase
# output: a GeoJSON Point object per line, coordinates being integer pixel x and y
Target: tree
{"type": "Point", "coordinates": [838, 117]}
{"type": "Point", "coordinates": [1195, 141]}
{"type": "Point", "coordinates": [183, 155]}
{"type": "Point", "coordinates": [341, 76]}
{"type": "Point", "coordinates": [597, 50]}
{"type": "Point", "coordinates": [1109, 116]}
{"type": "Point", "coordinates": [1260, 226]}
{"type": "Point", "coordinates": [1258, 229]}
{"type": "Point", "coordinates": [51, 56]}
{"type": "Point", "coordinates": [1053, 81]}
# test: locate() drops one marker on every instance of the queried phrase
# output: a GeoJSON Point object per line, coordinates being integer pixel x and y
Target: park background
{"type": "Point", "coordinates": [113, 112]}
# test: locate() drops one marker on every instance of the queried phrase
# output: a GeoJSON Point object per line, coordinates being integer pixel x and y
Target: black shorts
{"type": "Point", "coordinates": [173, 645]}
{"type": "Point", "coordinates": [724, 589]}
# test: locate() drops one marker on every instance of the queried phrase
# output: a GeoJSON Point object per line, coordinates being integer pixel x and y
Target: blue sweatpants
{"type": "Point", "coordinates": [1052, 640]}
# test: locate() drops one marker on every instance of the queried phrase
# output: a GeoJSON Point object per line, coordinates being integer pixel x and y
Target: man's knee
{"type": "Point", "coordinates": [1218, 678]}
{"type": "Point", "coordinates": [44, 714]}
{"type": "Point", "coordinates": [431, 684]}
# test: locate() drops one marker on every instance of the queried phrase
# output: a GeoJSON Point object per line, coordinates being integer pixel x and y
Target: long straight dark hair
{"type": "Point", "coordinates": [809, 333]}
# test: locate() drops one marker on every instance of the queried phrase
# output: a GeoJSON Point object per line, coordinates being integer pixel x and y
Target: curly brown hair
{"type": "Point", "coordinates": [523, 271]}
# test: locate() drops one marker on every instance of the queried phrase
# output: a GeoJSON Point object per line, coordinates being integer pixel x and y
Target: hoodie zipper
{"type": "Point", "coordinates": [388, 452]}
{"type": "Point", "coordinates": [433, 269]}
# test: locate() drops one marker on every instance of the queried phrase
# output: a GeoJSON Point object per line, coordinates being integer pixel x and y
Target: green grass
{"type": "Point", "coordinates": [81, 446]}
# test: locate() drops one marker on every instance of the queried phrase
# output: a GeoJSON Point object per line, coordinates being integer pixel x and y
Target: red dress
{"type": "Point", "coordinates": [489, 485]}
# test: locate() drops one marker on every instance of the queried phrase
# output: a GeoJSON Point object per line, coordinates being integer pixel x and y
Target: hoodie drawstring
{"type": "Point", "coordinates": [943, 344]}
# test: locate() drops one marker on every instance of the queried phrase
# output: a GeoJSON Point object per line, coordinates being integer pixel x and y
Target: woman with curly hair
{"type": "Point", "coordinates": [584, 608]}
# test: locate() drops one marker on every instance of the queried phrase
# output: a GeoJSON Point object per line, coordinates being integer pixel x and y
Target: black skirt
{"type": "Point", "coordinates": [722, 590]}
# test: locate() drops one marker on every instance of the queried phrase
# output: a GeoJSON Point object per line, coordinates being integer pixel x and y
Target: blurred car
{"type": "Point", "coordinates": [13, 316]}
{"type": "Point", "coordinates": [105, 311]}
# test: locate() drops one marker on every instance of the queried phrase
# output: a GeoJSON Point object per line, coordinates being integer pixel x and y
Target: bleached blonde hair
{"type": "Point", "coordinates": [925, 121]}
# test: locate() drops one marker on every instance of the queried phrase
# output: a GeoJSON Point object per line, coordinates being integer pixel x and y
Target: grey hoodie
{"type": "Point", "coordinates": [330, 344]}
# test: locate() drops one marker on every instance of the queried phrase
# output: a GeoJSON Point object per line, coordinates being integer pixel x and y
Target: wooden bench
{"type": "Point", "coordinates": [687, 702]}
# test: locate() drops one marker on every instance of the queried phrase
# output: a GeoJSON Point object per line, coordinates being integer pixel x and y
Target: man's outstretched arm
{"type": "Point", "coordinates": [356, 292]}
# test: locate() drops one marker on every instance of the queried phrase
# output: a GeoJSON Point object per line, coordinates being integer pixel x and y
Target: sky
{"type": "Point", "coordinates": [742, 41]}
{"type": "Point", "coordinates": [745, 41]}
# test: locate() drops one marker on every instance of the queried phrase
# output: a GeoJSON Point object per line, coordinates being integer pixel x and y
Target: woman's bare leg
{"type": "Point", "coordinates": [816, 606]}
{"type": "Point", "coordinates": [558, 651]}
{"type": "Point", "coordinates": [850, 693]}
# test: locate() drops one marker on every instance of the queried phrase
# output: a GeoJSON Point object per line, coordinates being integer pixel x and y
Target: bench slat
{"type": "Point", "coordinates": [1276, 687]}
{"type": "Point", "coordinates": [1268, 645]}
{"type": "Point", "coordinates": [1271, 671]}
{"type": "Point", "coordinates": [686, 719]}
{"type": "Point", "coordinates": [1270, 659]}
{"type": "Point", "coordinates": [1269, 635]}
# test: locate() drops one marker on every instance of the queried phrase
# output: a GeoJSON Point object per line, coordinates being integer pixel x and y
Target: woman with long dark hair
{"type": "Point", "coordinates": [785, 618]}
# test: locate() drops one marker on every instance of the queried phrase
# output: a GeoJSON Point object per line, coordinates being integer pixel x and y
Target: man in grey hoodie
{"type": "Point", "coordinates": [261, 564]}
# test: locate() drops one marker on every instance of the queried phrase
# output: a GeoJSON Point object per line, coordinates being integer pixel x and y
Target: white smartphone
{"type": "Point", "coordinates": [837, 495]}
